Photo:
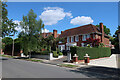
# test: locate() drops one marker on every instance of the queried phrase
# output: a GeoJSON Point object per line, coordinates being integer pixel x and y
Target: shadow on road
{"type": "Point", "coordinates": [21, 58]}
{"type": "Point", "coordinates": [99, 72]}
{"type": "Point", "coordinates": [3, 59]}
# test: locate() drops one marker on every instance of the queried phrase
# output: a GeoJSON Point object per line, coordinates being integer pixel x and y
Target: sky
{"type": "Point", "coordinates": [66, 15]}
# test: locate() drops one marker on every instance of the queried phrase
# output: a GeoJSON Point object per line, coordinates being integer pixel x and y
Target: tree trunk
{"type": "Point", "coordinates": [13, 47]}
{"type": "Point", "coordinates": [30, 55]}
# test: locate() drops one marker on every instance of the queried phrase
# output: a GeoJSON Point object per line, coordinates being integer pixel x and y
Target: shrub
{"type": "Point", "coordinates": [92, 52]}
{"type": "Point", "coordinates": [55, 54]}
{"type": "Point", "coordinates": [60, 53]}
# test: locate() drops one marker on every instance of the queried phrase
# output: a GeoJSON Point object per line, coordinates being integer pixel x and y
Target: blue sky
{"type": "Point", "coordinates": [67, 15]}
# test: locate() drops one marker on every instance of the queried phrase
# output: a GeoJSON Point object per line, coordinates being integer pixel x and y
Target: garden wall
{"type": "Point", "coordinates": [48, 57]}
{"type": "Point", "coordinates": [92, 52]}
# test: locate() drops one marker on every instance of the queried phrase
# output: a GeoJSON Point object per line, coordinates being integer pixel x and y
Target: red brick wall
{"type": "Point", "coordinates": [106, 41]}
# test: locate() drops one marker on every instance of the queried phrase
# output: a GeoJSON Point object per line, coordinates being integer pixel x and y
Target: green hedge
{"type": "Point", "coordinates": [92, 52]}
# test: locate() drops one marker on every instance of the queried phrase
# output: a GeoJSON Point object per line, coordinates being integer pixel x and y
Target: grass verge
{"type": "Point", "coordinates": [8, 56]}
{"type": "Point", "coordinates": [34, 60]}
{"type": "Point", "coordinates": [67, 65]}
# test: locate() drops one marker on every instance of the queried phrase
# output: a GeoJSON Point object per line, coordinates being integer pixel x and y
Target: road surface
{"type": "Point", "coordinates": [14, 68]}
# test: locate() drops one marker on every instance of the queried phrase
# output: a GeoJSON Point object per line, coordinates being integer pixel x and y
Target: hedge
{"type": "Point", "coordinates": [92, 52]}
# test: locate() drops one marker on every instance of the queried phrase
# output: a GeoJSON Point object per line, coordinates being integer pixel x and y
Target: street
{"type": "Point", "coordinates": [14, 68]}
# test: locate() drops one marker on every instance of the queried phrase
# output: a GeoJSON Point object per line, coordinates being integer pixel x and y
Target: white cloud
{"type": "Point", "coordinates": [51, 15]}
{"type": "Point", "coordinates": [45, 31]}
{"type": "Point", "coordinates": [81, 20]}
{"type": "Point", "coordinates": [18, 28]}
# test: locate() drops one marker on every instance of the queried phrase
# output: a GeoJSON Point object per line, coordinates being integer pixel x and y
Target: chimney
{"type": "Point", "coordinates": [55, 33]}
{"type": "Point", "coordinates": [102, 31]}
{"type": "Point", "coordinates": [61, 32]}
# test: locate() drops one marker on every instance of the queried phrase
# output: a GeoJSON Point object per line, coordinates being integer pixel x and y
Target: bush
{"type": "Point", "coordinates": [60, 53]}
{"type": "Point", "coordinates": [55, 54]}
{"type": "Point", "coordinates": [92, 52]}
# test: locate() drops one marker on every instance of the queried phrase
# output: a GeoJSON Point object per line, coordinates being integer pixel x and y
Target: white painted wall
{"type": "Point", "coordinates": [48, 57]}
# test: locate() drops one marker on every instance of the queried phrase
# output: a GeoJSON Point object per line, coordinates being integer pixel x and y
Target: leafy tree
{"type": "Point", "coordinates": [8, 26]}
{"type": "Point", "coordinates": [6, 41]}
{"type": "Point", "coordinates": [106, 30]}
{"type": "Point", "coordinates": [114, 40]}
{"type": "Point", "coordinates": [32, 29]}
{"type": "Point", "coordinates": [50, 43]}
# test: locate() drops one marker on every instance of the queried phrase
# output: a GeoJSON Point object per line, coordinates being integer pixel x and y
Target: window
{"type": "Point", "coordinates": [68, 39]}
{"type": "Point", "coordinates": [88, 36]}
{"type": "Point", "coordinates": [84, 37]}
{"type": "Point", "coordinates": [72, 39]}
{"type": "Point", "coordinates": [60, 41]}
{"type": "Point", "coordinates": [77, 38]}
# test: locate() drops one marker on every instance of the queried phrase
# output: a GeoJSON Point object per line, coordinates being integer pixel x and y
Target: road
{"type": "Point", "coordinates": [14, 68]}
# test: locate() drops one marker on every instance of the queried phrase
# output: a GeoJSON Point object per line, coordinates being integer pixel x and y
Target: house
{"type": "Point", "coordinates": [45, 35]}
{"type": "Point", "coordinates": [75, 36]}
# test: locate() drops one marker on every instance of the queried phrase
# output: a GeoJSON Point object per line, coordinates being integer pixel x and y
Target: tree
{"type": "Point", "coordinates": [106, 30]}
{"type": "Point", "coordinates": [8, 26]}
{"type": "Point", "coordinates": [50, 43]}
{"type": "Point", "coordinates": [115, 40]}
{"type": "Point", "coordinates": [6, 41]}
{"type": "Point", "coordinates": [32, 29]}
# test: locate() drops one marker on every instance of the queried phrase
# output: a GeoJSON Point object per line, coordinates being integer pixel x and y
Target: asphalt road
{"type": "Point", "coordinates": [13, 68]}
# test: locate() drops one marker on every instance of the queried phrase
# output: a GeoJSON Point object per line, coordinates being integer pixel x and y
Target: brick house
{"type": "Point", "coordinates": [45, 35]}
{"type": "Point", "coordinates": [75, 36]}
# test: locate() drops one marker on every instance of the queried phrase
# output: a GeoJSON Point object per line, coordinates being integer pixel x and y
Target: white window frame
{"type": "Point", "coordinates": [88, 35]}
{"type": "Point", "coordinates": [76, 38]}
{"type": "Point", "coordinates": [68, 39]}
{"type": "Point", "coordinates": [84, 37]}
{"type": "Point", "coordinates": [72, 38]}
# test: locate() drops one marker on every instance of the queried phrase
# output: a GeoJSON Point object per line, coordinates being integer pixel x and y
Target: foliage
{"type": "Point", "coordinates": [55, 54]}
{"type": "Point", "coordinates": [60, 53]}
{"type": "Point", "coordinates": [88, 45]}
{"type": "Point", "coordinates": [8, 26]}
{"type": "Point", "coordinates": [101, 45]}
{"type": "Point", "coordinates": [67, 65]}
{"type": "Point", "coordinates": [50, 43]}
{"type": "Point", "coordinates": [92, 52]}
{"type": "Point", "coordinates": [114, 40]}
{"type": "Point", "coordinates": [30, 35]}
{"type": "Point", "coordinates": [93, 42]}
{"type": "Point", "coordinates": [106, 30]}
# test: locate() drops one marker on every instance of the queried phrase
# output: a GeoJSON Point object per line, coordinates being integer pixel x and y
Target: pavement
{"type": "Point", "coordinates": [106, 62]}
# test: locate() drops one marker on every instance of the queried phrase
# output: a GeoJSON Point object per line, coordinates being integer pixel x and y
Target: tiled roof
{"type": "Point", "coordinates": [81, 30]}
